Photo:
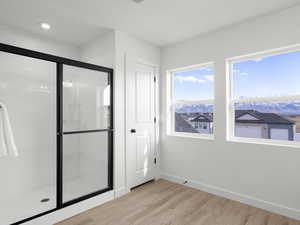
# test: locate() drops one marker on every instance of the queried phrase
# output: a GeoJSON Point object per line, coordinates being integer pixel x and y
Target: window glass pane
{"type": "Point", "coordinates": [85, 163]}
{"type": "Point", "coordinates": [195, 84]}
{"type": "Point", "coordinates": [86, 99]}
{"type": "Point", "coordinates": [268, 120]}
{"type": "Point", "coordinates": [258, 77]}
{"type": "Point", "coordinates": [194, 118]}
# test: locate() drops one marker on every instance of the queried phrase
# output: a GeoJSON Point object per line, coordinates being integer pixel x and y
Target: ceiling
{"type": "Point", "coordinates": [161, 22]}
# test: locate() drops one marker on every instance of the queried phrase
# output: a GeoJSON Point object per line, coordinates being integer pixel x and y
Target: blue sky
{"type": "Point", "coordinates": [270, 76]}
{"type": "Point", "coordinates": [195, 84]}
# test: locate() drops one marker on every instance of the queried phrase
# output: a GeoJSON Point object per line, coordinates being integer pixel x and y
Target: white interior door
{"type": "Point", "coordinates": [140, 122]}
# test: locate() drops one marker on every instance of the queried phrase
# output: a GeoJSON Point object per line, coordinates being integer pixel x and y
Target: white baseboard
{"type": "Point", "coordinates": [259, 203]}
{"type": "Point", "coordinates": [121, 191]}
{"type": "Point", "coordinates": [72, 210]}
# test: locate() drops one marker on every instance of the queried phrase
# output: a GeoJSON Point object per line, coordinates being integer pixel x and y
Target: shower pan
{"type": "Point", "coordinates": [61, 117]}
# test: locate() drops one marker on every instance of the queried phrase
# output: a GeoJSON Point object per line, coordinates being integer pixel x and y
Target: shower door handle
{"type": "Point", "coordinates": [133, 130]}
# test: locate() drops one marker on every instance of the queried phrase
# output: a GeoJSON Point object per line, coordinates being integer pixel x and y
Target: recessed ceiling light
{"type": "Point", "coordinates": [45, 26]}
{"type": "Point", "coordinates": [138, 1]}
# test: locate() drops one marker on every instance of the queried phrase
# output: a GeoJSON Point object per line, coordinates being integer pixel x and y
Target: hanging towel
{"type": "Point", "coordinates": [7, 142]}
{"type": "Point", "coordinates": [3, 147]}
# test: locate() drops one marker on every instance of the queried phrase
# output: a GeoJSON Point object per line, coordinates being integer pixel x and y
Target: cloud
{"type": "Point", "coordinates": [257, 59]}
{"type": "Point", "coordinates": [209, 78]}
{"type": "Point", "coordinates": [189, 79]}
{"type": "Point", "coordinates": [243, 73]}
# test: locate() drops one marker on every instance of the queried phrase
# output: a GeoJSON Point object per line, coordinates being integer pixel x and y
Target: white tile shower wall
{"type": "Point", "coordinates": [71, 122]}
{"type": "Point", "coordinates": [93, 151]}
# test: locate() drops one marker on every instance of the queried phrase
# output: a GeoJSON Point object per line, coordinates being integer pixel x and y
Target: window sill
{"type": "Point", "coordinates": [193, 136]}
{"type": "Point", "coordinates": [269, 142]}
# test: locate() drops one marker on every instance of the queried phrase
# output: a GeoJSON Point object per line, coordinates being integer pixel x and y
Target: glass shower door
{"type": "Point", "coordinates": [27, 137]}
{"type": "Point", "coordinates": [86, 132]}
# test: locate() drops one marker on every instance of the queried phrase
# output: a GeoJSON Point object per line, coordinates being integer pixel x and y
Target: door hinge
{"type": "Point", "coordinates": [154, 79]}
{"type": "Point", "coordinates": [154, 119]}
{"type": "Point", "coordinates": [154, 160]}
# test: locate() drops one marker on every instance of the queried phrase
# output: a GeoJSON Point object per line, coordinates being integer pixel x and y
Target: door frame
{"type": "Point", "coordinates": [60, 62]}
{"type": "Point", "coordinates": [128, 58]}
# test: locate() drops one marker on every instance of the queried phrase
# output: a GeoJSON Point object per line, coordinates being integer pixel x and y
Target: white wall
{"type": "Point", "coordinates": [267, 176]}
{"type": "Point", "coordinates": [100, 51]}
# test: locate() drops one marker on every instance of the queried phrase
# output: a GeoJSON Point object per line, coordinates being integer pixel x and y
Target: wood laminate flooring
{"type": "Point", "coordinates": [166, 203]}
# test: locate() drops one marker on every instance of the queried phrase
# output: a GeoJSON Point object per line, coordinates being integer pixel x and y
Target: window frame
{"type": "Point", "coordinates": [231, 101]}
{"type": "Point", "coordinates": [171, 102]}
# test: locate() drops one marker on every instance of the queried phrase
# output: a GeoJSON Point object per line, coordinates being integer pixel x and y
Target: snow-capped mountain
{"type": "Point", "coordinates": [194, 109]}
{"type": "Point", "coordinates": [284, 108]}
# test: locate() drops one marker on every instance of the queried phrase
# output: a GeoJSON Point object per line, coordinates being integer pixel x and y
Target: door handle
{"type": "Point", "coordinates": [133, 130]}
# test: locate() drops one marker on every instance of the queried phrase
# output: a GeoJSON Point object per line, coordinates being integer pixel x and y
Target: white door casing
{"type": "Point", "coordinates": [140, 122]}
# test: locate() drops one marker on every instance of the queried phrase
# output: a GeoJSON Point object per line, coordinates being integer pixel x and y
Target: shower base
{"type": "Point", "coordinates": [33, 203]}
{"type": "Point", "coordinates": [27, 205]}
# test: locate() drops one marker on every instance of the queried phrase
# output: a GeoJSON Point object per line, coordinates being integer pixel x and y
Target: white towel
{"type": "Point", "coordinates": [7, 140]}
{"type": "Point", "coordinates": [3, 147]}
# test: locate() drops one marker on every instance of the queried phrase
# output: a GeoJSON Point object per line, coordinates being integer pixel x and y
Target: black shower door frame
{"type": "Point", "coordinates": [60, 62]}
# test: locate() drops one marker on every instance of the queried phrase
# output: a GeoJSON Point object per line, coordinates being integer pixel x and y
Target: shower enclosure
{"type": "Point", "coordinates": [61, 117]}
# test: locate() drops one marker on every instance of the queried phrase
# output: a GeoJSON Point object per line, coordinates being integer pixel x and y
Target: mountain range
{"type": "Point", "coordinates": [283, 108]}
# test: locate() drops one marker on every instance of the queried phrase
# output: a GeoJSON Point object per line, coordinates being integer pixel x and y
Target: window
{"type": "Point", "coordinates": [264, 99]}
{"type": "Point", "coordinates": [191, 101]}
